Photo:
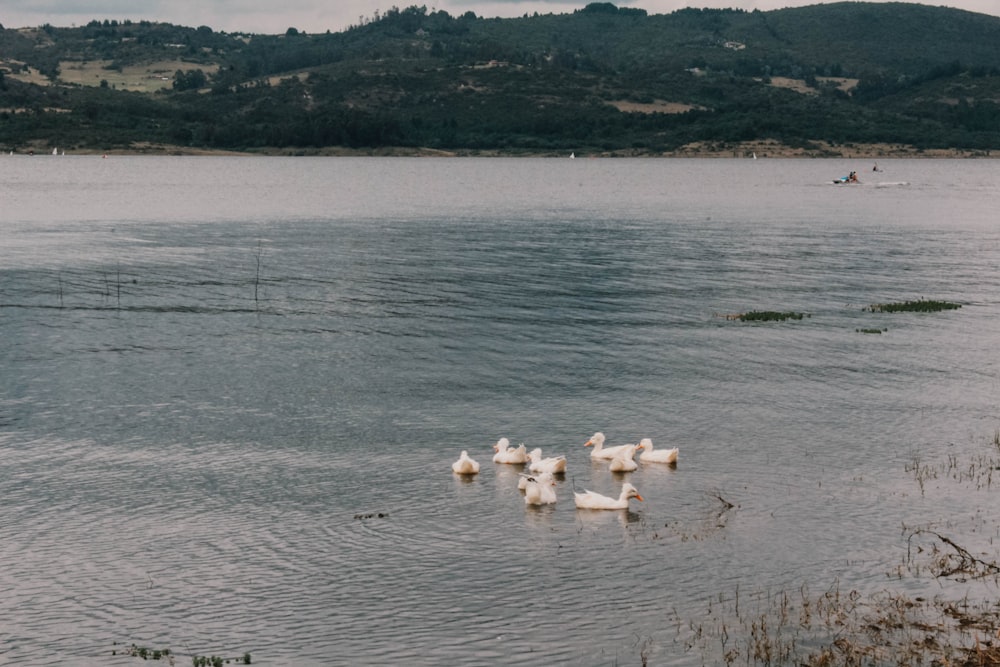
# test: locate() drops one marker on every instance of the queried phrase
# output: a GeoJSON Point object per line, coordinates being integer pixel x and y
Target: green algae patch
{"type": "Point", "coordinates": [769, 316]}
{"type": "Point", "coordinates": [919, 306]}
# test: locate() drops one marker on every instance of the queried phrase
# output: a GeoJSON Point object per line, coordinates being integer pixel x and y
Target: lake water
{"type": "Point", "coordinates": [232, 389]}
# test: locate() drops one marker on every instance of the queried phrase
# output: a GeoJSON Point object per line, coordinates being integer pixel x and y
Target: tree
{"type": "Point", "coordinates": [190, 80]}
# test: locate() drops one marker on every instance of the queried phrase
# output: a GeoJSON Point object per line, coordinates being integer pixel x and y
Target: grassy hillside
{"type": "Point", "coordinates": [602, 79]}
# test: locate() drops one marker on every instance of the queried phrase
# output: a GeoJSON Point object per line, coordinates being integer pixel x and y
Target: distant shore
{"type": "Point", "coordinates": [750, 149]}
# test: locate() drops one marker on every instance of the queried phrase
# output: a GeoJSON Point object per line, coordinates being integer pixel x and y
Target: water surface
{"type": "Point", "coordinates": [232, 390]}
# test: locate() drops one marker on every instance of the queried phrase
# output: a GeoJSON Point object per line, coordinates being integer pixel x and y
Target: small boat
{"type": "Point", "coordinates": [850, 178]}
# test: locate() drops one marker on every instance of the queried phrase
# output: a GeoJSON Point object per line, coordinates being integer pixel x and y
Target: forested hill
{"type": "Point", "coordinates": [602, 79]}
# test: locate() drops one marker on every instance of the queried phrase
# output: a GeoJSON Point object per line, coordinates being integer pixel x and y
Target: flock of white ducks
{"type": "Point", "coordinates": [540, 486]}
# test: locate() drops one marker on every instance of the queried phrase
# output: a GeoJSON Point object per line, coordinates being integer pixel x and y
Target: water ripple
{"type": "Point", "coordinates": [231, 430]}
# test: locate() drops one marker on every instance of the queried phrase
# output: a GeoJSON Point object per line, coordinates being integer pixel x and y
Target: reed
{"type": "Point", "coordinates": [842, 628]}
{"type": "Point", "coordinates": [887, 628]}
{"type": "Point", "coordinates": [256, 280]}
{"type": "Point", "coordinates": [977, 469]}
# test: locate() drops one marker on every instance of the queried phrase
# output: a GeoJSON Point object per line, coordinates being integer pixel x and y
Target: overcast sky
{"type": "Point", "coordinates": [311, 16]}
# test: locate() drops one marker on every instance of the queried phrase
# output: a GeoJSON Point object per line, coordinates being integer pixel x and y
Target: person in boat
{"type": "Point", "coordinates": [853, 177]}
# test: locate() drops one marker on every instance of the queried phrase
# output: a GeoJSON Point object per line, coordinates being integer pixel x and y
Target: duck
{"type": "Point", "coordinates": [600, 451]}
{"type": "Point", "coordinates": [465, 465]}
{"type": "Point", "coordinates": [553, 464]}
{"type": "Point", "coordinates": [539, 489]}
{"type": "Point", "coordinates": [624, 461]}
{"type": "Point", "coordinates": [594, 501]}
{"type": "Point", "coordinates": [506, 454]}
{"type": "Point", "coordinates": [659, 456]}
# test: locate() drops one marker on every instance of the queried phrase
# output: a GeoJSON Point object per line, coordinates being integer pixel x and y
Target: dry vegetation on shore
{"type": "Point", "coordinates": [889, 628]}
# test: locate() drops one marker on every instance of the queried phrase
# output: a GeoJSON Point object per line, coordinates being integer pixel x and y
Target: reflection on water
{"type": "Point", "coordinates": [229, 402]}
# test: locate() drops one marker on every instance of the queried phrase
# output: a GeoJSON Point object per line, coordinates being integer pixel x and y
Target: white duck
{"type": "Point", "coordinates": [465, 465]}
{"type": "Point", "coordinates": [553, 464]}
{"type": "Point", "coordinates": [624, 461]}
{"type": "Point", "coordinates": [659, 456]}
{"type": "Point", "coordinates": [507, 454]}
{"type": "Point", "coordinates": [600, 451]}
{"type": "Point", "coordinates": [595, 501]}
{"type": "Point", "coordinates": [540, 489]}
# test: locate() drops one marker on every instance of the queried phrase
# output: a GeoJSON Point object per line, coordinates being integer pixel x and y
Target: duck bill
{"type": "Point", "coordinates": [638, 497]}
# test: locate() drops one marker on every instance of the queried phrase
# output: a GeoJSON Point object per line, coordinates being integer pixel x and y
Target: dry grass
{"type": "Point", "coordinates": [840, 628]}
{"type": "Point", "coordinates": [146, 78]}
{"type": "Point", "coordinates": [844, 84]}
{"type": "Point", "coordinates": [800, 85]}
{"type": "Point", "coordinates": [15, 69]}
{"type": "Point", "coordinates": [656, 106]}
{"type": "Point", "coordinates": [976, 471]}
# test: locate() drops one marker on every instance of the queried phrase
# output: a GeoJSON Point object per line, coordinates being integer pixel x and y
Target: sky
{"type": "Point", "coordinates": [315, 16]}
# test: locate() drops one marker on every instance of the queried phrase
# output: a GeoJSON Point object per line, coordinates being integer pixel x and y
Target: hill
{"type": "Point", "coordinates": [823, 79]}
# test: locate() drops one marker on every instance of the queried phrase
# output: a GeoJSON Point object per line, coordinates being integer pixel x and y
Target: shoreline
{"type": "Point", "coordinates": [744, 150]}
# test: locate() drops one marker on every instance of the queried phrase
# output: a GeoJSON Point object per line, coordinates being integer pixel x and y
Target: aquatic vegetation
{"type": "Point", "coordinates": [256, 279]}
{"type": "Point", "coordinates": [769, 316]}
{"type": "Point", "coordinates": [975, 472]}
{"type": "Point", "coordinates": [870, 331]}
{"type": "Point", "coordinates": [166, 655]}
{"type": "Point", "coordinates": [839, 628]}
{"type": "Point", "coordinates": [145, 653]}
{"type": "Point", "coordinates": [947, 558]}
{"type": "Point", "coordinates": [890, 628]}
{"type": "Point", "coordinates": [217, 661]}
{"type": "Point", "coordinates": [919, 306]}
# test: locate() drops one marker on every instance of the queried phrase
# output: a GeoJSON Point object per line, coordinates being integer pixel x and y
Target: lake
{"type": "Point", "coordinates": [232, 389]}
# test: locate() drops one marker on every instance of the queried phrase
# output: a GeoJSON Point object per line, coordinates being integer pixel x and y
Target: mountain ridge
{"type": "Point", "coordinates": [846, 77]}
